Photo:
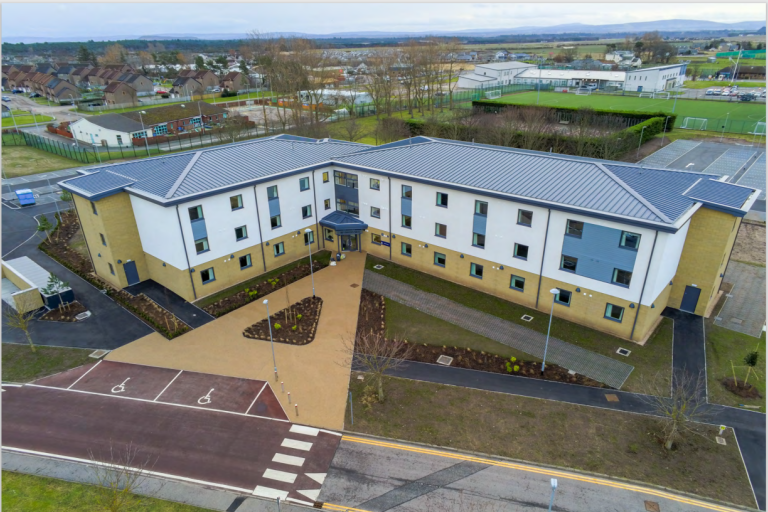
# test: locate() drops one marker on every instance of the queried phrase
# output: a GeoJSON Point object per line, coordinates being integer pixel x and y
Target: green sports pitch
{"type": "Point", "coordinates": [742, 116]}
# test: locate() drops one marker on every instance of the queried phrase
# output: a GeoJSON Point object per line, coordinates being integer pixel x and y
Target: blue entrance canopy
{"type": "Point", "coordinates": [343, 223]}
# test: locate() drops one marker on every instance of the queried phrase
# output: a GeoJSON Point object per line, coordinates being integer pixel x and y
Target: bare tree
{"type": "Point", "coordinates": [677, 408]}
{"type": "Point", "coordinates": [353, 130]}
{"type": "Point", "coordinates": [20, 317]}
{"type": "Point", "coordinates": [121, 472]}
{"type": "Point", "coordinates": [375, 354]}
{"type": "Point", "coordinates": [450, 66]}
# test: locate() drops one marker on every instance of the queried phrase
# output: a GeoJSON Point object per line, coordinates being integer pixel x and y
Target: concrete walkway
{"type": "Point", "coordinates": [317, 375]}
{"type": "Point", "coordinates": [744, 308]}
{"type": "Point", "coordinates": [595, 366]}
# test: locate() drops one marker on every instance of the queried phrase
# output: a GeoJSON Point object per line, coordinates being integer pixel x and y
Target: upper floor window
{"type": "Point", "coordinates": [568, 263]}
{"type": "Point", "coordinates": [375, 184]}
{"type": "Point", "coordinates": [478, 240]}
{"type": "Point", "coordinates": [630, 240]}
{"type": "Point", "coordinates": [327, 204]}
{"type": "Point", "coordinates": [303, 184]}
{"type": "Point", "coordinates": [622, 277]}
{"type": "Point", "coordinates": [236, 202]}
{"type": "Point", "coordinates": [241, 233]}
{"type": "Point", "coordinates": [407, 191]}
{"type": "Point", "coordinates": [196, 213]}
{"type": "Point", "coordinates": [375, 212]}
{"type": "Point", "coordinates": [275, 222]}
{"type": "Point", "coordinates": [93, 208]}
{"type": "Point", "coordinates": [481, 208]}
{"type": "Point", "coordinates": [524, 217]}
{"type": "Point", "coordinates": [350, 207]}
{"type": "Point", "coordinates": [325, 177]}
{"type": "Point", "coordinates": [521, 251]}
{"type": "Point", "coordinates": [574, 228]}
{"type": "Point", "coordinates": [345, 179]}
{"type": "Point", "coordinates": [272, 192]}
{"type": "Point", "coordinates": [306, 211]}
{"type": "Point", "coordinates": [441, 230]}
{"type": "Point", "coordinates": [406, 221]}
{"type": "Point", "coordinates": [442, 199]}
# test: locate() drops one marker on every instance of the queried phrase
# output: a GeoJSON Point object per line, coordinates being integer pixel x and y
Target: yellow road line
{"type": "Point", "coordinates": [531, 469]}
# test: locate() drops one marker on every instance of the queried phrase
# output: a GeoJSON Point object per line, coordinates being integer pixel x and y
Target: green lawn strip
{"type": "Point", "coordinates": [724, 346]}
{"type": "Point", "coordinates": [26, 160]}
{"type": "Point", "coordinates": [369, 124]}
{"type": "Point", "coordinates": [680, 134]}
{"type": "Point", "coordinates": [20, 364]}
{"type": "Point", "coordinates": [22, 493]}
{"type": "Point", "coordinates": [655, 357]}
{"type": "Point", "coordinates": [8, 122]}
{"type": "Point", "coordinates": [549, 432]}
{"type": "Point", "coordinates": [706, 84]}
{"type": "Point", "coordinates": [322, 256]}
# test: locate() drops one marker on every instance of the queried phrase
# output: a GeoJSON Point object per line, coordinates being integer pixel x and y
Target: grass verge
{"type": "Point", "coordinates": [655, 357]}
{"type": "Point", "coordinates": [20, 364]}
{"type": "Point", "coordinates": [22, 493]}
{"type": "Point", "coordinates": [8, 122]}
{"type": "Point", "coordinates": [25, 160]}
{"type": "Point", "coordinates": [547, 432]}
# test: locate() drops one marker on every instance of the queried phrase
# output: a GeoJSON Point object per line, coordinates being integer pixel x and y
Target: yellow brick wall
{"type": "Point", "coordinates": [29, 300]}
{"type": "Point", "coordinates": [115, 220]}
{"type": "Point", "coordinates": [175, 279]}
{"type": "Point", "coordinates": [15, 279]}
{"type": "Point", "coordinates": [705, 255]}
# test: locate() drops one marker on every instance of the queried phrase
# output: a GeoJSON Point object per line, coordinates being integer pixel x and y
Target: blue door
{"type": "Point", "coordinates": [690, 299]}
{"type": "Point", "coordinates": [131, 274]}
{"type": "Point", "coordinates": [639, 88]}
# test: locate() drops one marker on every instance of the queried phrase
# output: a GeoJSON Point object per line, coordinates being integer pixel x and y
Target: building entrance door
{"type": "Point", "coordinates": [349, 243]}
{"type": "Point", "coordinates": [690, 299]}
{"type": "Point", "coordinates": [131, 273]}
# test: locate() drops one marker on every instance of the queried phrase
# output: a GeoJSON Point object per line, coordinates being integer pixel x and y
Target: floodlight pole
{"type": "Point", "coordinates": [271, 341]}
{"type": "Point", "coordinates": [146, 141]}
{"type": "Point", "coordinates": [311, 267]}
{"type": "Point", "coordinates": [665, 130]}
{"type": "Point", "coordinates": [554, 292]}
{"type": "Point", "coordinates": [553, 483]}
{"type": "Point", "coordinates": [724, 125]}
{"type": "Point", "coordinates": [640, 142]}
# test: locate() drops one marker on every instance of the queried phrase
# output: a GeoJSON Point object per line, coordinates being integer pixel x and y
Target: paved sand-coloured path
{"type": "Point", "coordinates": [317, 375]}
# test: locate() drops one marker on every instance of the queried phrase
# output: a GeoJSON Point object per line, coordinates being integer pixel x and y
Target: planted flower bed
{"type": "Point", "coordinates": [66, 313]}
{"type": "Point", "coordinates": [295, 325]}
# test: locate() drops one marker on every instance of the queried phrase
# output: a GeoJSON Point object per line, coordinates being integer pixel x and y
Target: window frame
{"type": "Point", "coordinates": [475, 240]}
{"type": "Point", "coordinates": [281, 246]}
{"type": "Point", "coordinates": [328, 234]}
{"type": "Point", "coordinates": [302, 188]}
{"type": "Point", "coordinates": [568, 228]}
{"type": "Point", "coordinates": [410, 221]}
{"type": "Point", "coordinates": [309, 237]}
{"type": "Point", "coordinates": [326, 177]}
{"type": "Point", "coordinates": [615, 274]}
{"type": "Point", "coordinates": [196, 209]}
{"type": "Point", "coordinates": [435, 262]}
{"type": "Point", "coordinates": [93, 208]}
{"type": "Point", "coordinates": [512, 280]}
{"type": "Point", "coordinates": [327, 204]}
{"type": "Point", "coordinates": [111, 269]}
{"type": "Point", "coordinates": [277, 193]}
{"type": "Point", "coordinates": [611, 318]}
{"type": "Point", "coordinates": [473, 270]}
{"type": "Point", "coordinates": [478, 206]}
{"type": "Point", "coordinates": [245, 233]}
{"type": "Point", "coordinates": [304, 211]}
{"type": "Point", "coordinates": [520, 212]}
{"type": "Point", "coordinates": [438, 196]}
{"type": "Point", "coordinates": [622, 240]}
{"type": "Point", "coordinates": [279, 221]}
{"type": "Point", "coordinates": [378, 215]}
{"type": "Point", "coordinates": [250, 261]}
{"type": "Point", "coordinates": [378, 184]}
{"type": "Point", "coordinates": [517, 246]}
{"type": "Point", "coordinates": [562, 263]}
{"type": "Point", "coordinates": [374, 236]}
{"type": "Point", "coordinates": [406, 194]}
{"type": "Point", "coordinates": [437, 230]}
{"type": "Point", "coordinates": [212, 275]}
{"type": "Point", "coordinates": [103, 239]}
{"type": "Point", "coordinates": [205, 241]}
{"type": "Point", "coordinates": [239, 206]}
{"type": "Point", "coordinates": [570, 297]}
{"type": "Point", "coordinates": [410, 249]}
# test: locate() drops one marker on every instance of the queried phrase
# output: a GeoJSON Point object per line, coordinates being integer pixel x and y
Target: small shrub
{"type": "Point", "coordinates": [294, 327]}
{"type": "Point", "coordinates": [512, 359]}
{"type": "Point", "coordinates": [298, 317]}
{"type": "Point", "coordinates": [277, 327]}
{"type": "Point", "coordinates": [516, 368]}
{"type": "Point", "coordinates": [633, 448]}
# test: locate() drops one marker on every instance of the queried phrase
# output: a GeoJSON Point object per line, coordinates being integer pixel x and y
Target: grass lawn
{"type": "Point", "coordinates": [369, 125]}
{"type": "Point", "coordinates": [8, 122]}
{"type": "Point", "coordinates": [547, 432]}
{"type": "Point", "coordinates": [22, 493]}
{"type": "Point", "coordinates": [655, 357]}
{"type": "Point", "coordinates": [742, 115]}
{"type": "Point", "coordinates": [25, 160]}
{"type": "Point", "coordinates": [706, 84]}
{"type": "Point", "coordinates": [20, 364]}
{"type": "Point", "coordinates": [321, 256]}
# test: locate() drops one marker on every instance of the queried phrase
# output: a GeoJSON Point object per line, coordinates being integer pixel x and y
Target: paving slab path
{"type": "Point", "coordinates": [744, 309]}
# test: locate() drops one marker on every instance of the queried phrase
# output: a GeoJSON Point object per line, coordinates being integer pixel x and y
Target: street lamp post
{"type": "Point", "coordinates": [146, 141]}
{"type": "Point", "coordinates": [553, 483]}
{"type": "Point", "coordinates": [724, 125]}
{"type": "Point", "coordinates": [271, 341]}
{"type": "Point", "coordinates": [554, 292]}
{"type": "Point", "coordinates": [640, 142]}
{"type": "Point", "coordinates": [665, 130]}
{"type": "Point", "coordinates": [538, 86]}
{"type": "Point", "coordinates": [675, 103]}
{"type": "Point", "coordinates": [311, 267]}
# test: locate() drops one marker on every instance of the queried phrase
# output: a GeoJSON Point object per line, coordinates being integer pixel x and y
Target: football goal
{"type": "Point", "coordinates": [494, 94]}
{"type": "Point", "coordinates": [645, 95]}
{"type": "Point", "coordinates": [661, 95]}
{"type": "Point", "coordinates": [583, 92]}
{"type": "Point", "coordinates": [759, 129]}
{"type": "Point", "coordinates": [694, 123]}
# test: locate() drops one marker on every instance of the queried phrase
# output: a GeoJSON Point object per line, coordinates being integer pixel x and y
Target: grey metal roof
{"type": "Point", "coordinates": [117, 122]}
{"type": "Point", "coordinates": [718, 193]}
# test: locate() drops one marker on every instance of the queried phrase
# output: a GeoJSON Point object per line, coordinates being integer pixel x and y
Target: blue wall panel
{"type": "Point", "coordinates": [347, 193]}
{"type": "Point", "coordinates": [198, 229]}
{"type": "Point", "coordinates": [274, 206]}
{"type": "Point", "coordinates": [599, 252]}
{"type": "Point", "coordinates": [406, 206]}
{"type": "Point", "coordinates": [478, 224]}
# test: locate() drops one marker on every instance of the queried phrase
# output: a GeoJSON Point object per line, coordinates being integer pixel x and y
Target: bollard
{"type": "Point", "coordinates": [289, 397]}
{"type": "Point", "coordinates": [297, 409]}
{"type": "Point", "coordinates": [282, 386]}
{"type": "Point", "coordinates": [276, 377]}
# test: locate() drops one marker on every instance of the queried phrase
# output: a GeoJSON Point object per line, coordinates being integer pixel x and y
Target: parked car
{"type": "Point", "coordinates": [591, 87]}
{"type": "Point", "coordinates": [746, 97]}
{"type": "Point", "coordinates": [762, 95]}
{"type": "Point", "coordinates": [217, 89]}
{"type": "Point", "coordinates": [6, 98]}
{"type": "Point", "coordinates": [710, 92]}
{"type": "Point", "coordinates": [35, 95]}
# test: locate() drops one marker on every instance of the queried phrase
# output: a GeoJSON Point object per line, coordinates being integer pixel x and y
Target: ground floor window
{"type": "Point", "coordinates": [517, 283]}
{"type": "Point", "coordinates": [563, 297]}
{"type": "Point", "coordinates": [111, 269]}
{"type": "Point", "coordinates": [328, 233]}
{"type": "Point", "coordinates": [207, 275]}
{"type": "Point", "coordinates": [613, 312]}
{"type": "Point", "coordinates": [476, 270]}
{"type": "Point", "coordinates": [440, 259]}
{"type": "Point", "coordinates": [309, 237]}
{"type": "Point", "coordinates": [406, 249]}
{"type": "Point", "coordinates": [375, 239]}
{"type": "Point", "coordinates": [245, 261]}
{"type": "Point", "coordinates": [279, 249]}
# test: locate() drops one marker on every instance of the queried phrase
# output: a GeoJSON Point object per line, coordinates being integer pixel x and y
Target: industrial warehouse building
{"type": "Point", "coordinates": [619, 241]}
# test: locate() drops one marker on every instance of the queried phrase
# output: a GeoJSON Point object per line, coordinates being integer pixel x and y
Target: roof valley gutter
{"type": "Point", "coordinates": [186, 255]}
{"type": "Point", "coordinates": [645, 280]}
{"type": "Point", "coordinates": [543, 252]}
{"type": "Point", "coordinates": [258, 223]}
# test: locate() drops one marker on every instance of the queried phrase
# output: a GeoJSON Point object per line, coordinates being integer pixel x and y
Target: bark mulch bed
{"type": "Point", "coordinates": [65, 313]}
{"type": "Point", "coordinates": [287, 327]}
{"type": "Point", "coordinates": [371, 318]}
{"type": "Point", "coordinates": [737, 387]}
{"type": "Point", "coordinates": [246, 295]}
{"type": "Point", "coordinates": [57, 245]}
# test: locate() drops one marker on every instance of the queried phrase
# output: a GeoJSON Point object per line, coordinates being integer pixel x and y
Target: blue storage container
{"type": "Point", "coordinates": [26, 196]}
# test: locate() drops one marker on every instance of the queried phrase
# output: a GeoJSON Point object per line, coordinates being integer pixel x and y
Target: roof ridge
{"type": "Point", "coordinates": [634, 193]}
{"type": "Point", "coordinates": [183, 175]}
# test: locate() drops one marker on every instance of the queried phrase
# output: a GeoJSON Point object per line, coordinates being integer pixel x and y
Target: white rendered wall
{"type": "Point", "coordinates": [666, 258]}
{"type": "Point", "coordinates": [83, 129]}
{"type": "Point", "coordinates": [159, 231]}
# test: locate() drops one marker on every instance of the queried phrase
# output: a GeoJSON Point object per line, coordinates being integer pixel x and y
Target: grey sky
{"type": "Point", "coordinates": [117, 19]}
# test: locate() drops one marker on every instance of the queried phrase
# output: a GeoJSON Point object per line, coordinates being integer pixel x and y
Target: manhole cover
{"type": "Point", "coordinates": [652, 506]}
{"type": "Point", "coordinates": [378, 267]}
{"type": "Point", "coordinates": [720, 440]}
{"type": "Point", "coordinates": [445, 360]}
{"type": "Point", "coordinates": [612, 398]}
{"type": "Point", "coordinates": [737, 321]}
{"type": "Point", "coordinates": [526, 318]}
{"type": "Point", "coordinates": [354, 285]}
{"type": "Point", "coordinates": [623, 352]}
{"type": "Point", "coordinates": [98, 354]}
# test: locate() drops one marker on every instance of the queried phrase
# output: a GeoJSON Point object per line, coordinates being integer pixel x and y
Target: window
{"type": "Point", "coordinates": [309, 237]}
{"type": "Point", "coordinates": [375, 212]}
{"type": "Point", "coordinates": [375, 239]}
{"type": "Point", "coordinates": [613, 312]}
{"type": "Point", "coordinates": [442, 200]}
{"type": "Point", "coordinates": [407, 191]}
{"type": "Point", "coordinates": [303, 184]}
{"type": "Point", "coordinates": [521, 251]}
{"type": "Point", "coordinates": [241, 233]}
{"type": "Point", "coordinates": [201, 245]}
{"type": "Point", "coordinates": [439, 259]}
{"type": "Point", "coordinates": [327, 204]}
{"type": "Point", "coordinates": [111, 269]}
{"type": "Point", "coordinates": [160, 129]}
{"type": "Point", "coordinates": [375, 184]}
{"type": "Point", "coordinates": [517, 283]}
{"type": "Point", "coordinates": [574, 228]}
{"type": "Point", "coordinates": [325, 177]}
{"type": "Point", "coordinates": [236, 202]}
{"type": "Point", "coordinates": [406, 249]}
{"type": "Point", "coordinates": [568, 263]}
{"type": "Point", "coordinates": [103, 240]}
{"type": "Point", "coordinates": [630, 240]}
{"type": "Point", "coordinates": [207, 275]}
{"type": "Point", "coordinates": [476, 270]}
{"type": "Point", "coordinates": [245, 261]}
{"type": "Point", "coordinates": [93, 208]}
{"type": "Point", "coordinates": [621, 277]}
{"type": "Point", "coordinates": [272, 192]}
{"type": "Point", "coordinates": [563, 297]}
{"type": "Point", "coordinates": [481, 208]}
{"type": "Point", "coordinates": [139, 135]}
{"type": "Point", "coordinates": [119, 139]}
{"type": "Point", "coordinates": [345, 180]}
{"type": "Point", "coordinates": [279, 249]}
{"type": "Point", "coordinates": [328, 234]}
{"type": "Point", "coordinates": [524, 217]}
{"type": "Point", "coordinates": [350, 207]}
{"type": "Point", "coordinates": [306, 211]}
{"type": "Point", "coordinates": [275, 222]}
{"type": "Point", "coordinates": [196, 213]}
{"type": "Point", "coordinates": [478, 240]}
{"type": "Point", "coordinates": [407, 221]}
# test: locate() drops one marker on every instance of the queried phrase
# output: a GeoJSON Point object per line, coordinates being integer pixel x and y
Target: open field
{"type": "Point", "coordinates": [24, 160]}
{"type": "Point", "coordinates": [740, 115]}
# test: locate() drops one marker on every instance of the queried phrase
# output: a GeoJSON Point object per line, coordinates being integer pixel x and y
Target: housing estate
{"type": "Point", "coordinates": [618, 241]}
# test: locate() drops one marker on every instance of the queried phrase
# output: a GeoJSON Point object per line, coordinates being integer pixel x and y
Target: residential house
{"type": "Point", "coordinates": [120, 93]}
{"type": "Point", "coordinates": [501, 55]}
{"type": "Point", "coordinates": [140, 83]}
{"type": "Point", "coordinates": [205, 77]}
{"type": "Point", "coordinates": [186, 86]}
{"type": "Point", "coordinates": [232, 81]}
{"type": "Point", "coordinates": [64, 71]}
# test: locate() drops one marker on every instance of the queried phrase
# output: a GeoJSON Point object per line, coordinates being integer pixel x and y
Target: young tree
{"type": "Point", "coordinates": [373, 353]}
{"type": "Point", "coordinates": [55, 287]}
{"type": "Point", "coordinates": [121, 472]}
{"type": "Point", "coordinates": [20, 317]}
{"type": "Point", "coordinates": [44, 226]}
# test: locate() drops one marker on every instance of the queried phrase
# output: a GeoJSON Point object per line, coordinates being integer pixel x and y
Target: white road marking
{"type": "Point", "coordinates": [690, 164]}
{"type": "Point", "coordinates": [205, 400]}
{"type": "Point", "coordinates": [268, 492]}
{"type": "Point", "coordinates": [311, 493]}
{"type": "Point", "coordinates": [300, 502]}
{"type": "Point", "coordinates": [297, 445]}
{"type": "Point", "coordinates": [166, 387]}
{"type": "Point", "coordinates": [307, 431]}
{"type": "Point", "coordinates": [331, 432]}
{"type": "Point", "coordinates": [257, 397]}
{"type": "Point", "coordinates": [317, 477]}
{"type": "Point", "coordinates": [288, 459]}
{"type": "Point", "coordinates": [281, 476]}
{"type": "Point", "coordinates": [83, 375]}
{"type": "Point", "coordinates": [120, 387]}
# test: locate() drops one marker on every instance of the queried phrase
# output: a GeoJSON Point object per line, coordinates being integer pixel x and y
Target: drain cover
{"type": "Point", "coordinates": [652, 506]}
{"type": "Point", "coordinates": [378, 267]}
{"type": "Point", "coordinates": [623, 352]}
{"type": "Point", "coordinates": [737, 321]}
{"type": "Point", "coordinates": [98, 354]}
{"type": "Point", "coordinates": [526, 318]}
{"type": "Point", "coordinates": [720, 440]}
{"type": "Point", "coordinates": [612, 398]}
{"type": "Point", "coordinates": [445, 360]}
{"type": "Point", "coordinates": [83, 315]}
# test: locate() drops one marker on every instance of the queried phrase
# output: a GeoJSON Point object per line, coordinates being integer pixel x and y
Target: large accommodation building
{"type": "Point", "coordinates": [618, 241]}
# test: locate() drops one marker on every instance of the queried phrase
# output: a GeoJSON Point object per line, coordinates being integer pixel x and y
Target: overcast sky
{"type": "Point", "coordinates": [116, 19]}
